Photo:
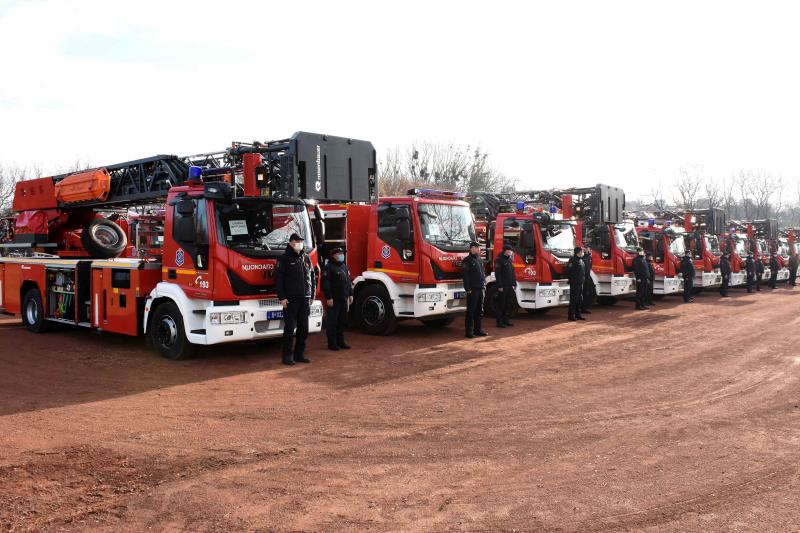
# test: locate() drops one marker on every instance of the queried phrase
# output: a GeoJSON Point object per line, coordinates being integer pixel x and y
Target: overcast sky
{"type": "Point", "coordinates": [559, 93]}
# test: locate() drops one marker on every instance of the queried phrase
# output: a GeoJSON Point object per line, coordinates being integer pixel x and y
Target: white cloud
{"type": "Point", "coordinates": [559, 93]}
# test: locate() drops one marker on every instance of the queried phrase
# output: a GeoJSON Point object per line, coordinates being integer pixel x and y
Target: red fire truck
{"type": "Point", "coordinates": [404, 254]}
{"type": "Point", "coordinates": [735, 242]}
{"type": "Point", "coordinates": [660, 236]}
{"type": "Point", "coordinates": [208, 278]}
{"type": "Point", "coordinates": [602, 226]}
{"type": "Point", "coordinates": [701, 229]}
{"type": "Point", "coordinates": [542, 243]}
{"type": "Point", "coordinates": [763, 239]}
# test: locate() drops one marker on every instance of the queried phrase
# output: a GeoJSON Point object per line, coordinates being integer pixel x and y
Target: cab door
{"type": "Point", "coordinates": [186, 258]}
{"type": "Point", "coordinates": [397, 254]}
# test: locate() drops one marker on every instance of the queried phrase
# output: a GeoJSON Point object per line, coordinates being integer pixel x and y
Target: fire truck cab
{"type": "Point", "coordinates": [542, 243]}
{"type": "Point", "coordinates": [404, 254]}
{"type": "Point", "coordinates": [665, 241]}
{"type": "Point", "coordinates": [701, 227]}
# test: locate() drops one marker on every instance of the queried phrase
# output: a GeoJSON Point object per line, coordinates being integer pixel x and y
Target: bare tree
{"type": "Point", "coordinates": [444, 166]}
{"type": "Point", "coordinates": [688, 186]}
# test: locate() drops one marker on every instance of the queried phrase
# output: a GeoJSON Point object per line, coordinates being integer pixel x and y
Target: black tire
{"type": "Point", "coordinates": [374, 312]}
{"type": "Point", "coordinates": [436, 323]}
{"type": "Point", "coordinates": [103, 238]}
{"type": "Point", "coordinates": [606, 300]}
{"type": "Point", "coordinates": [166, 333]}
{"type": "Point", "coordinates": [540, 311]}
{"type": "Point", "coordinates": [33, 312]}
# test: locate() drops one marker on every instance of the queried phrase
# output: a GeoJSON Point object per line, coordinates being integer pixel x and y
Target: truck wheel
{"type": "Point", "coordinates": [488, 301]}
{"type": "Point", "coordinates": [436, 323]}
{"type": "Point", "coordinates": [103, 238]}
{"type": "Point", "coordinates": [606, 300]}
{"type": "Point", "coordinates": [33, 312]}
{"type": "Point", "coordinates": [167, 334]}
{"type": "Point", "coordinates": [374, 311]}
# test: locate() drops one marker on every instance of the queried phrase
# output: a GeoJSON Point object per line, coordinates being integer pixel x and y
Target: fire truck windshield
{"type": "Point", "coordinates": [739, 246]}
{"type": "Point", "coordinates": [712, 244]}
{"type": "Point", "coordinates": [677, 245]}
{"type": "Point", "coordinates": [446, 226]}
{"type": "Point", "coordinates": [626, 236]}
{"type": "Point", "coordinates": [559, 238]}
{"type": "Point", "coordinates": [261, 228]}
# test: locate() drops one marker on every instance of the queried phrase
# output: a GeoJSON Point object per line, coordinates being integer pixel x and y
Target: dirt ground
{"type": "Point", "coordinates": [681, 418]}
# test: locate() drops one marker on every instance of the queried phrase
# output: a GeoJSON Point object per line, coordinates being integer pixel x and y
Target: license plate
{"type": "Point", "coordinates": [460, 295]}
{"type": "Point", "coordinates": [274, 315]}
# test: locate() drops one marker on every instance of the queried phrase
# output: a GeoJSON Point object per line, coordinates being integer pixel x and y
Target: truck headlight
{"type": "Point", "coordinates": [547, 292]}
{"type": "Point", "coordinates": [316, 310]}
{"type": "Point", "coordinates": [429, 297]}
{"type": "Point", "coordinates": [622, 282]}
{"type": "Point", "coordinates": [228, 317]}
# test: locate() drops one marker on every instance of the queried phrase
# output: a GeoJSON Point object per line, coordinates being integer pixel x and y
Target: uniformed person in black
{"type": "Point", "coordinates": [774, 267]}
{"type": "Point", "coordinates": [725, 270]}
{"type": "Point", "coordinates": [651, 279]}
{"type": "Point", "coordinates": [576, 270]}
{"type": "Point", "coordinates": [759, 272]}
{"type": "Point", "coordinates": [474, 284]}
{"type": "Point", "coordinates": [750, 269]}
{"type": "Point", "coordinates": [587, 299]}
{"type": "Point", "coordinates": [642, 273]}
{"type": "Point", "coordinates": [338, 291]}
{"type": "Point", "coordinates": [794, 262]}
{"type": "Point", "coordinates": [295, 285]}
{"type": "Point", "coordinates": [506, 282]}
{"type": "Point", "coordinates": [687, 269]}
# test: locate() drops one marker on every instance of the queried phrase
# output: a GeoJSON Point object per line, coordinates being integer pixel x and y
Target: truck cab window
{"type": "Point", "coordinates": [190, 229]}
{"type": "Point", "coordinates": [393, 221]}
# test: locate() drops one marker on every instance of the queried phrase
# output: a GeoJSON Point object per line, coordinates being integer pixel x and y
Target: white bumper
{"type": "Point", "coordinates": [783, 274]}
{"type": "Point", "coordinates": [258, 325]}
{"type": "Point", "coordinates": [608, 285]}
{"type": "Point", "coordinates": [665, 285]}
{"type": "Point", "coordinates": [708, 279]}
{"type": "Point", "coordinates": [538, 296]}
{"type": "Point", "coordinates": [738, 279]}
{"type": "Point", "coordinates": [444, 299]}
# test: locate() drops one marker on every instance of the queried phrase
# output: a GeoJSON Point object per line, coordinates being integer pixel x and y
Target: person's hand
{"type": "Point", "coordinates": [469, 292]}
{"type": "Point", "coordinates": [349, 300]}
{"type": "Point", "coordinates": [284, 303]}
{"type": "Point", "coordinates": [330, 302]}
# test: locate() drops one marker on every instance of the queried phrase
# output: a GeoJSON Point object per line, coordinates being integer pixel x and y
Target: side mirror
{"type": "Point", "coordinates": [319, 224]}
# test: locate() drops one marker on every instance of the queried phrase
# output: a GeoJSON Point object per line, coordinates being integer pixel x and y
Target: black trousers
{"type": "Point", "coordinates": [793, 276]}
{"type": "Point", "coordinates": [575, 300]}
{"type": "Point", "coordinates": [336, 322]}
{"type": "Point", "coordinates": [688, 285]}
{"type": "Point", "coordinates": [472, 320]}
{"type": "Point", "coordinates": [587, 298]}
{"type": "Point", "coordinates": [751, 280]}
{"type": "Point", "coordinates": [295, 324]}
{"type": "Point", "coordinates": [641, 292]}
{"type": "Point", "coordinates": [773, 279]}
{"type": "Point", "coordinates": [758, 282]}
{"type": "Point", "coordinates": [502, 301]}
{"type": "Point", "coordinates": [723, 289]}
{"type": "Point", "coordinates": [651, 283]}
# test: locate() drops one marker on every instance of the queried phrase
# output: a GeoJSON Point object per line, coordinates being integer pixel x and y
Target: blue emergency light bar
{"type": "Point", "coordinates": [435, 192]}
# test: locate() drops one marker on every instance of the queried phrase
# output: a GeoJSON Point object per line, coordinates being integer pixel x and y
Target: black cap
{"type": "Point", "coordinates": [578, 249]}
{"type": "Point", "coordinates": [507, 247]}
{"type": "Point", "coordinates": [474, 244]}
{"type": "Point", "coordinates": [336, 250]}
{"type": "Point", "coordinates": [295, 237]}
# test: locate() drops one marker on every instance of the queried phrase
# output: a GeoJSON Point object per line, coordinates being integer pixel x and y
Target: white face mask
{"type": "Point", "coordinates": [297, 246]}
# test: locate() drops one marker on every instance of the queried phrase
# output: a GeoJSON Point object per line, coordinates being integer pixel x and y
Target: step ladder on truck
{"type": "Point", "coordinates": [208, 279]}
